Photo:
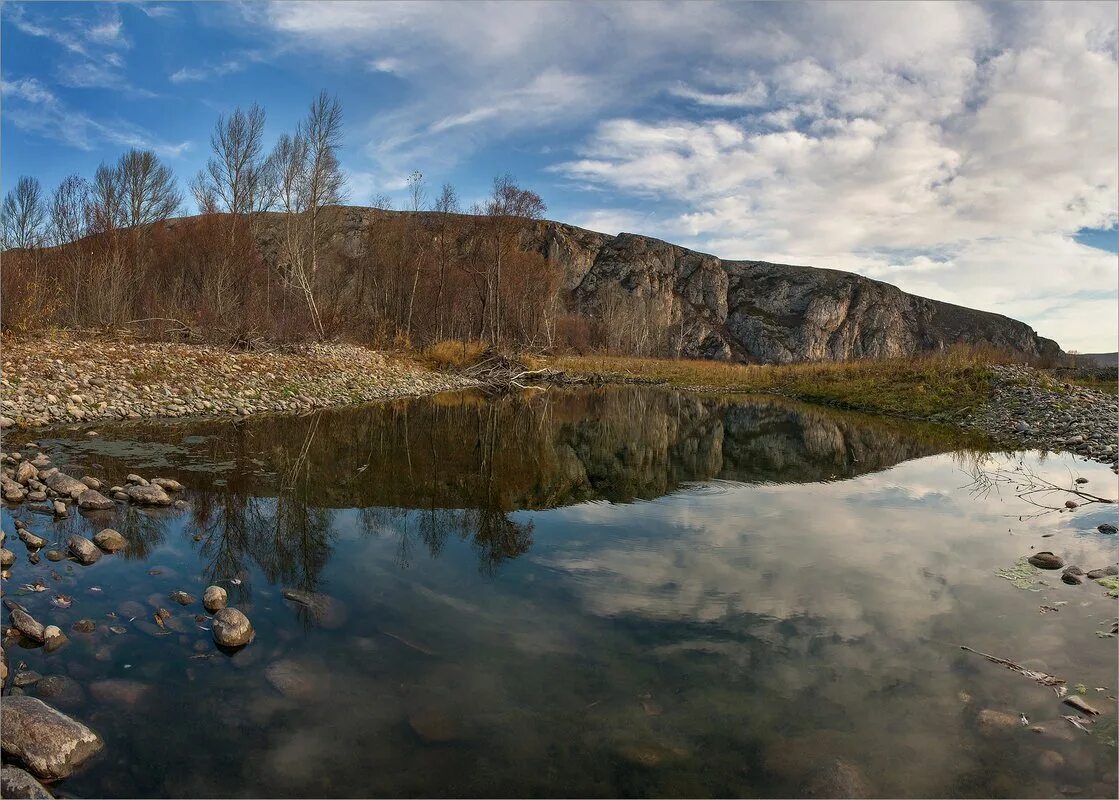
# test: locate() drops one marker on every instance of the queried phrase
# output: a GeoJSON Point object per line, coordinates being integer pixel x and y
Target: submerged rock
{"type": "Point", "coordinates": [433, 726]}
{"type": "Point", "coordinates": [31, 540]}
{"type": "Point", "coordinates": [119, 691]}
{"type": "Point", "coordinates": [324, 609]}
{"type": "Point", "coordinates": [837, 778]}
{"type": "Point", "coordinates": [109, 540]}
{"type": "Point", "coordinates": [49, 743]}
{"type": "Point", "coordinates": [18, 783]}
{"type": "Point", "coordinates": [84, 626]}
{"type": "Point", "coordinates": [214, 598]}
{"type": "Point", "coordinates": [291, 678]}
{"type": "Point", "coordinates": [231, 628]}
{"type": "Point", "coordinates": [83, 549]}
{"type": "Point", "coordinates": [60, 690]}
{"type": "Point", "coordinates": [992, 722]}
{"type": "Point", "coordinates": [183, 598]}
{"type": "Point", "coordinates": [1046, 560]}
{"type": "Point", "coordinates": [55, 555]}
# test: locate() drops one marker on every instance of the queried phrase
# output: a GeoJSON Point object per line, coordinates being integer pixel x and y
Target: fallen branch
{"type": "Point", "coordinates": [1040, 677]}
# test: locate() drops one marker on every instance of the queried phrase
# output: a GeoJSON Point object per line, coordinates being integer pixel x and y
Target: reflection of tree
{"type": "Point", "coordinates": [287, 536]}
{"type": "Point", "coordinates": [144, 529]}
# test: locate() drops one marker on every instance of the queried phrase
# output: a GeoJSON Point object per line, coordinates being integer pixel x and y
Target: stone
{"type": "Point", "coordinates": [433, 726]}
{"type": "Point", "coordinates": [27, 625]}
{"type": "Point", "coordinates": [183, 598]}
{"type": "Point", "coordinates": [26, 472]}
{"type": "Point", "coordinates": [214, 598]}
{"type": "Point", "coordinates": [323, 609]}
{"type": "Point", "coordinates": [31, 540]}
{"type": "Point", "coordinates": [26, 677]}
{"type": "Point", "coordinates": [93, 500]}
{"type": "Point", "coordinates": [1104, 572]}
{"type": "Point", "coordinates": [837, 778]}
{"type": "Point", "coordinates": [167, 484]}
{"type": "Point", "coordinates": [1071, 504]}
{"type": "Point", "coordinates": [49, 743]}
{"type": "Point", "coordinates": [119, 691]}
{"type": "Point", "coordinates": [110, 540]}
{"type": "Point", "coordinates": [231, 628]}
{"type": "Point", "coordinates": [1107, 528]}
{"type": "Point", "coordinates": [992, 722]}
{"type": "Point", "coordinates": [83, 549]}
{"type": "Point", "coordinates": [1046, 560]}
{"type": "Point", "coordinates": [1051, 761]}
{"type": "Point", "coordinates": [19, 783]}
{"type": "Point", "coordinates": [84, 626]}
{"type": "Point", "coordinates": [53, 634]}
{"type": "Point", "coordinates": [55, 555]}
{"type": "Point", "coordinates": [130, 609]}
{"type": "Point", "coordinates": [132, 477]}
{"type": "Point", "coordinates": [147, 495]}
{"type": "Point", "coordinates": [60, 690]}
{"type": "Point", "coordinates": [291, 679]}
{"type": "Point", "coordinates": [7, 557]}
{"type": "Point", "coordinates": [59, 508]}
{"type": "Point", "coordinates": [64, 485]}
{"type": "Point", "coordinates": [92, 483]}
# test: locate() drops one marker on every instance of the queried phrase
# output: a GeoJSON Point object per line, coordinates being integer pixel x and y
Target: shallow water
{"type": "Point", "coordinates": [607, 592]}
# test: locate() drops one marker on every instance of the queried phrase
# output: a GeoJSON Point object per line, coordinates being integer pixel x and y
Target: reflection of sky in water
{"type": "Point", "coordinates": [727, 638]}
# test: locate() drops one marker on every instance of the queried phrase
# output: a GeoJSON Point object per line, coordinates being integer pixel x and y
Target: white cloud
{"type": "Point", "coordinates": [189, 74]}
{"type": "Point", "coordinates": [31, 106]}
{"type": "Point", "coordinates": [987, 152]}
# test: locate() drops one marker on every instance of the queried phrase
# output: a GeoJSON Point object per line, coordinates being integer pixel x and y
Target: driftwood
{"type": "Point", "coordinates": [1040, 677]}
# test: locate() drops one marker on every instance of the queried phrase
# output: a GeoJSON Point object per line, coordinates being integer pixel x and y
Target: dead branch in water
{"type": "Point", "coordinates": [1030, 487]}
{"type": "Point", "coordinates": [1040, 677]}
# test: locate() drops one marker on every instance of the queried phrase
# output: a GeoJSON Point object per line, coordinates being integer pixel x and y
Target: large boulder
{"type": "Point", "coordinates": [147, 495]}
{"type": "Point", "coordinates": [214, 598]}
{"type": "Point", "coordinates": [16, 782]}
{"type": "Point", "coordinates": [93, 500]}
{"type": "Point", "coordinates": [49, 743]}
{"type": "Point", "coordinates": [231, 628]}
{"type": "Point", "coordinates": [83, 549]}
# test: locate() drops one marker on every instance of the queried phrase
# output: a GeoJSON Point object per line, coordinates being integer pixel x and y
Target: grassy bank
{"type": "Point", "coordinates": [929, 386]}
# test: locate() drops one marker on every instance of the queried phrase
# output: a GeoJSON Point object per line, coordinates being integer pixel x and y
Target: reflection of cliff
{"type": "Point", "coordinates": [538, 450]}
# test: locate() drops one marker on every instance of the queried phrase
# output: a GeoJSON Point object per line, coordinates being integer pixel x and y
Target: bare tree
{"type": "Point", "coordinates": [445, 206]}
{"type": "Point", "coordinates": [237, 178]}
{"type": "Point", "coordinates": [507, 208]}
{"type": "Point", "coordinates": [69, 207]}
{"type": "Point", "coordinates": [23, 215]}
{"type": "Point", "coordinates": [105, 209]}
{"type": "Point", "coordinates": [324, 183]}
{"type": "Point", "coordinates": [147, 188]}
{"type": "Point", "coordinates": [417, 191]}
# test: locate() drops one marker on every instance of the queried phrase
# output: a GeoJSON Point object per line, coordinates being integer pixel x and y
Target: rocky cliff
{"type": "Point", "coordinates": [696, 305]}
{"type": "Point", "coordinates": [756, 311]}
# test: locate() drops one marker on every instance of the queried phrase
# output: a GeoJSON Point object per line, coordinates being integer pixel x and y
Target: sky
{"type": "Point", "coordinates": [967, 152]}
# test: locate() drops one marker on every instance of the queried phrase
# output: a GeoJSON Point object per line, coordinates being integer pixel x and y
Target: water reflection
{"type": "Point", "coordinates": [265, 490]}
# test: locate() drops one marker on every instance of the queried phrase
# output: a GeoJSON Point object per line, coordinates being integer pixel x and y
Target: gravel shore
{"type": "Point", "coordinates": [1031, 410]}
{"type": "Point", "coordinates": [59, 379]}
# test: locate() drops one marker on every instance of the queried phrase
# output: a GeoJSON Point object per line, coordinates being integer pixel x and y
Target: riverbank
{"type": "Point", "coordinates": [1017, 406]}
{"type": "Point", "coordinates": [64, 378]}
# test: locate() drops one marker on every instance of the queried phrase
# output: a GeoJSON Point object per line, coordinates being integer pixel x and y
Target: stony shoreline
{"type": "Point", "coordinates": [62, 379]}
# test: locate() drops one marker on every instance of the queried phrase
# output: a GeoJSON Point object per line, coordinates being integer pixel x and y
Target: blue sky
{"type": "Point", "coordinates": [966, 152]}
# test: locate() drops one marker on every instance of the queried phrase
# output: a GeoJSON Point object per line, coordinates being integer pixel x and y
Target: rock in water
{"type": "Point", "coordinates": [992, 721]}
{"type": "Point", "coordinates": [167, 485]}
{"type": "Point", "coordinates": [290, 678]}
{"type": "Point", "coordinates": [110, 541]}
{"type": "Point", "coordinates": [324, 609]}
{"type": "Point", "coordinates": [49, 743]}
{"type": "Point", "coordinates": [93, 500]}
{"type": "Point", "coordinates": [119, 692]}
{"type": "Point", "coordinates": [1046, 560]}
{"type": "Point", "coordinates": [83, 549]}
{"type": "Point", "coordinates": [838, 778]}
{"type": "Point", "coordinates": [27, 625]}
{"type": "Point", "coordinates": [182, 598]}
{"type": "Point", "coordinates": [26, 472]}
{"type": "Point", "coordinates": [433, 726]}
{"type": "Point", "coordinates": [15, 782]}
{"type": "Point", "coordinates": [30, 539]}
{"type": "Point", "coordinates": [1107, 528]}
{"type": "Point", "coordinates": [231, 628]}
{"type": "Point", "coordinates": [214, 598]}
{"type": "Point", "coordinates": [7, 557]}
{"type": "Point", "coordinates": [149, 495]}
{"type": "Point", "coordinates": [64, 485]}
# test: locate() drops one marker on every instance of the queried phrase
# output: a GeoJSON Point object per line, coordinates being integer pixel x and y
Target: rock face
{"type": "Point", "coordinates": [700, 306]}
{"type": "Point", "coordinates": [49, 743]}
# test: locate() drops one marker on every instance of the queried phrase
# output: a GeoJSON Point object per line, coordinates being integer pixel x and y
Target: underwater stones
{"type": "Point", "coordinates": [19, 783]}
{"type": "Point", "coordinates": [119, 691]}
{"type": "Point", "coordinates": [324, 609]}
{"type": "Point", "coordinates": [61, 690]}
{"type": "Point", "coordinates": [183, 598]}
{"type": "Point", "coordinates": [48, 742]}
{"type": "Point", "coordinates": [231, 628]}
{"type": "Point", "coordinates": [433, 726]}
{"type": "Point", "coordinates": [1046, 560]}
{"type": "Point", "coordinates": [291, 678]}
{"type": "Point", "coordinates": [110, 540]}
{"type": "Point", "coordinates": [53, 637]}
{"type": "Point", "coordinates": [83, 549]}
{"type": "Point", "coordinates": [131, 608]}
{"type": "Point", "coordinates": [214, 598]}
{"type": "Point", "coordinates": [837, 778]}
{"type": "Point", "coordinates": [992, 722]}
{"type": "Point", "coordinates": [84, 626]}
{"type": "Point", "coordinates": [93, 500]}
{"type": "Point", "coordinates": [55, 555]}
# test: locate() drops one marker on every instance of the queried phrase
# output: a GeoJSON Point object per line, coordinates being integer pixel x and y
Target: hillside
{"type": "Point", "coordinates": [751, 311]}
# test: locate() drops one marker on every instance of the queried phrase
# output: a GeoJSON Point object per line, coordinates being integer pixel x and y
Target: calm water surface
{"type": "Point", "coordinates": [608, 592]}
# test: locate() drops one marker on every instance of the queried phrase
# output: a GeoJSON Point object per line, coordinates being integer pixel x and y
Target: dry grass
{"type": "Point", "coordinates": [943, 383]}
{"type": "Point", "coordinates": [453, 354]}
